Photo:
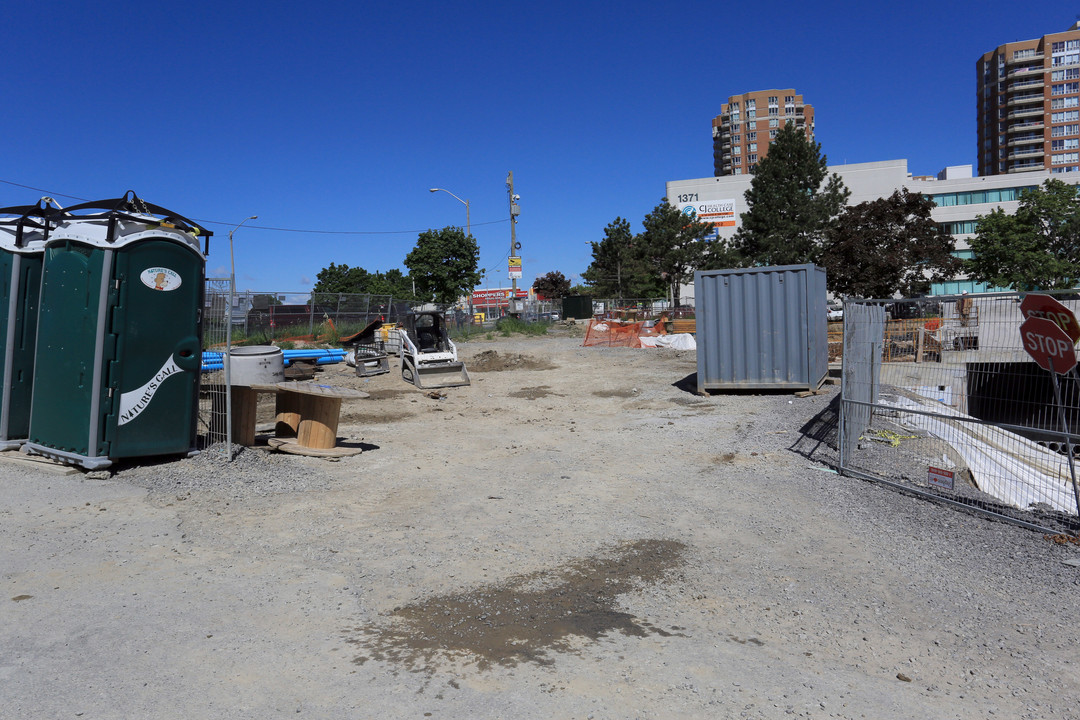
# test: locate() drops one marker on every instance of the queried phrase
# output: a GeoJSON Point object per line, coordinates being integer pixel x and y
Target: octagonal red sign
{"type": "Point", "coordinates": [1048, 345]}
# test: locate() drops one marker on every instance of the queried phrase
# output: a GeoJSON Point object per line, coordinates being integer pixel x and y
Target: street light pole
{"type": "Point", "coordinates": [468, 222]}
{"type": "Point", "coordinates": [228, 339]}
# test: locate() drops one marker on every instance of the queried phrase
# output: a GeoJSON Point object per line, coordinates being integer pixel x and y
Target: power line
{"type": "Point", "coordinates": [262, 227]}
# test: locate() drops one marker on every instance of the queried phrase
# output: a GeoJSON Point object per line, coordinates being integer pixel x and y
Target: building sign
{"type": "Point", "coordinates": [494, 298]}
{"type": "Point", "coordinates": [718, 213]}
{"type": "Point", "coordinates": [515, 267]}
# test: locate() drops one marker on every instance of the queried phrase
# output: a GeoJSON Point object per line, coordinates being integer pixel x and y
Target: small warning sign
{"type": "Point", "coordinates": [940, 478]}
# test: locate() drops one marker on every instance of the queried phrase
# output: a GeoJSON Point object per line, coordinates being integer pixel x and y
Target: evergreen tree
{"type": "Point", "coordinates": [673, 246]}
{"type": "Point", "coordinates": [616, 270]}
{"type": "Point", "coordinates": [791, 203]}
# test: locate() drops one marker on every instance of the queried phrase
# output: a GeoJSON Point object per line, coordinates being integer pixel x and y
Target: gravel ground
{"type": "Point", "coordinates": [576, 534]}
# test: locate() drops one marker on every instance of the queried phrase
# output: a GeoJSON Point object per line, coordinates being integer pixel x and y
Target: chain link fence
{"type": "Point", "coordinates": [212, 390]}
{"type": "Point", "coordinates": [940, 398]}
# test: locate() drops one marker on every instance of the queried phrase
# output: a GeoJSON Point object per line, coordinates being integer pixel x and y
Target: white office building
{"type": "Point", "coordinates": [960, 198]}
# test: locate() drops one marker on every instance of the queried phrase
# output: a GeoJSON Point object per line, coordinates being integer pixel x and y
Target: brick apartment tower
{"type": "Point", "coordinates": [1029, 105]}
{"type": "Point", "coordinates": [747, 124]}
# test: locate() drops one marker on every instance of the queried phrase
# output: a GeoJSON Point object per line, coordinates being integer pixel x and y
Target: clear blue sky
{"type": "Point", "coordinates": [338, 116]}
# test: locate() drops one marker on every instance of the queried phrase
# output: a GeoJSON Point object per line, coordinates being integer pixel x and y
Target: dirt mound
{"type": "Point", "coordinates": [492, 361]}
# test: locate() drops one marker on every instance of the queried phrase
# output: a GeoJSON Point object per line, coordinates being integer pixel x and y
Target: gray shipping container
{"type": "Point", "coordinates": [761, 328]}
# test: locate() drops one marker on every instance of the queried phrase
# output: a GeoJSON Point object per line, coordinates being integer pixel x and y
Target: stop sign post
{"type": "Point", "coordinates": [1049, 334]}
{"type": "Point", "coordinates": [1048, 345]}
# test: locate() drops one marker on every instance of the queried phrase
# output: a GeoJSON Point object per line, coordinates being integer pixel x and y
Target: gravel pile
{"type": "Point", "coordinates": [253, 472]}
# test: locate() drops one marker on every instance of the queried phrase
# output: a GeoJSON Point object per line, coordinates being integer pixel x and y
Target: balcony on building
{"type": "Point", "coordinates": [1026, 166]}
{"type": "Point", "coordinates": [1037, 56]}
{"type": "Point", "coordinates": [1026, 71]}
{"type": "Point", "coordinates": [1025, 126]}
{"type": "Point", "coordinates": [1026, 99]}
{"type": "Point", "coordinates": [1027, 111]}
{"type": "Point", "coordinates": [1030, 152]}
{"type": "Point", "coordinates": [1018, 85]}
{"type": "Point", "coordinates": [1027, 139]}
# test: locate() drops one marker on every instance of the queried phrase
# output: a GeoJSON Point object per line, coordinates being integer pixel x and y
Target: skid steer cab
{"type": "Point", "coordinates": [428, 356]}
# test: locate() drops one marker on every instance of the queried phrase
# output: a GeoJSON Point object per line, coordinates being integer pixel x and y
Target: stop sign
{"type": "Point", "coordinates": [1044, 306]}
{"type": "Point", "coordinates": [1048, 345]}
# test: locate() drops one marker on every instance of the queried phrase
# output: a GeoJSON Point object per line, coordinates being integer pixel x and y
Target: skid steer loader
{"type": "Point", "coordinates": [428, 356]}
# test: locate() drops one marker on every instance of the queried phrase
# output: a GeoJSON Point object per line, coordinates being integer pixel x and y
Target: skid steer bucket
{"type": "Point", "coordinates": [427, 376]}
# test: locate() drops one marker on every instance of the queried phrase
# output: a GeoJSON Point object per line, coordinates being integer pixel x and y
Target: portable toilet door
{"type": "Point", "coordinates": [22, 243]}
{"type": "Point", "coordinates": [119, 337]}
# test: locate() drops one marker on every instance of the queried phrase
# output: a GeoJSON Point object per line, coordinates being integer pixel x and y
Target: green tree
{"type": "Point", "coordinates": [344, 279]}
{"type": "Point", "coordinates": [673, 246]}
{"type": "Point", "coordinates": [553, 286]}
{"type": "Point", "coordinates": [792, 201]}
{"type": "Point", "coordinates": [445, 264]}
{"type": "Point", "coordinates": [616, 270]}
{"type": "Point", "coordinates": [890, 245]}
{"type": "Point", "coordinates": [1038, 248]}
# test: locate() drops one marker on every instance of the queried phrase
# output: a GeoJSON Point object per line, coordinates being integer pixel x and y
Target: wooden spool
{"type": "Point", "coordinates": [244, 403]}
{"type": "Point", "coordinates": [288, 415]}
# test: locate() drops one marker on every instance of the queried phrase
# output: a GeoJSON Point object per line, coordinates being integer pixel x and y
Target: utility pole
{"type": "Point", "coordinates": [515, 259]}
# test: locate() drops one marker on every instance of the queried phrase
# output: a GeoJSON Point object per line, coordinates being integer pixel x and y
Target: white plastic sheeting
{"type": "Point", "coordinates": [1008, 466]}
{"type": "Point", "coordinates": [680, 341]}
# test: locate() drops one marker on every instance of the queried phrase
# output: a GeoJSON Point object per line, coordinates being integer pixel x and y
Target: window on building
{"type": "Point", "coordinates": [973, 197]}
{"type": "Point", "coordinates": [752, 158]}
{"type": "Point", "coordinates": [1072, 44]}
{"type": "Point", "coordinates": [737, 150]}
{"type": "Point", "coordinates": [737, 171]}
{"type": "Point", "coordinates": [774, 111]}
{"type": "Point", "coordinates": [772, 134]}
{"type": "Point", "coordinates": [1067, 116]}
{"type": "Point", "coordinates": [1058, 47]}
{"type": "Point", "coordinates": [960, 227]}
{"type": "Point", "coordinates": [737, 160]}
{"type": "Point", "coordinates": [772, 99]}
{"type": "Point", "coordinates": [774, 123]}
{"type": "Point", "coordinates": [752, 147]}
{"type": "Point", "coordinates": [1065, 158]}
{"type": "Point", "coordinates": [736, 138]}
{"type": "Point", "coordinates": [1056, 145]}
{"type": "Point", "coordinates": [789, 99]}
{"type": "Point", "coordinates": [751, 104]}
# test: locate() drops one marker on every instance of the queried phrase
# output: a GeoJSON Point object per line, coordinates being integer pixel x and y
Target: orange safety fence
{"type": "Point", "coordinates": [612, 333]}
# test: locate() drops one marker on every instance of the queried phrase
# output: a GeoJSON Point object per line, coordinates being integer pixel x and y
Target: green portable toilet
{"type": "Point", "coordinates": [23, 232]}
{"type": "Point", "coordinates": [116, 372]}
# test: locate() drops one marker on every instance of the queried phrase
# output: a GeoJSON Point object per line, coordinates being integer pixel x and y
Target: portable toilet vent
{"type": "Point", "coordinates": [116, 372]}
{"type": "Point", "coordinates": [22, 245]}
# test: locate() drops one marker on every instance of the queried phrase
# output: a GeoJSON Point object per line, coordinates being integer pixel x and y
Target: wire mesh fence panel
{"type": "Point", "coordinates": [212, 389]}
{"type": "Point", "coordinates": [940, 397]}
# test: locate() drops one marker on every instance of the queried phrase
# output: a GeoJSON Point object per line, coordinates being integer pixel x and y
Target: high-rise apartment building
{"type": "Point", "coordinates": [747, 124]}
{"type": "Point", "coordinates": [1029, 105]}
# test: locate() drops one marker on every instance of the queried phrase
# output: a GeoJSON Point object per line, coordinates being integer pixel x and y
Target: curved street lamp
{"type": "Point", "coordinates": [468, 225]}
{"type": "Point", "coordinates": [228, 340]}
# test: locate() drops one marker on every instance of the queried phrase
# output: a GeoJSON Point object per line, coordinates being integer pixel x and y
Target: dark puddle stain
{"type": "Point", "coordinates": [615, 393]}
{"type": "Point", "coordinates": [752, 641]}
{"type": "Point", "coordinates": [534, 393]}
{"type": "Point", "coordinates": [527, 618]}
{"type": "Point", "coordinates": [20, 598]}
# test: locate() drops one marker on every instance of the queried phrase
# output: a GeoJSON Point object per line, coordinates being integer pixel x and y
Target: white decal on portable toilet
{"type": "Point", "coordinates": [132, 403]}
{"type": "Point", "coordinates": [160, 278]}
